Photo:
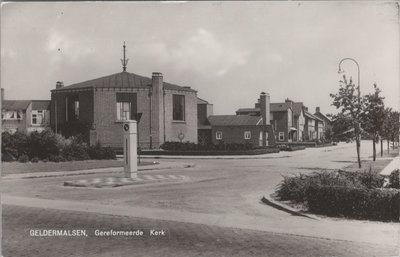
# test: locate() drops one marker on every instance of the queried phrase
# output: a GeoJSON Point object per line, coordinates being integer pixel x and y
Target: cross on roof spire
{"type": "Point", "coordinates": [124, 61]}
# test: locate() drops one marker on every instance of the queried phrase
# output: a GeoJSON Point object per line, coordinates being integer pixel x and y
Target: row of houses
{"type": "Point", "coordinates": [165, 112]}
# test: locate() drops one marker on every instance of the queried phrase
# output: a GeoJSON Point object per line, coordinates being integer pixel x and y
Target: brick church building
{"type": "Point", "coordinates": [97, 108]}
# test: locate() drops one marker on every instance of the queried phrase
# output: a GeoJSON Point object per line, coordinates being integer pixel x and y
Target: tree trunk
{"type": "Point", "coordinates": [393, 144]}
{"type": "Point", "coordinates": [387, 140]}
{"type": "Point", "coordinates": [358, 152]}
{"type": "Point", "coordinates": [381, 147]}
{"type": "Point", "coordinates": [374, 149]}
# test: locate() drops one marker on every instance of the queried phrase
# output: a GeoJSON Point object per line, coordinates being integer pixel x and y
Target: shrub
{"type": "Point", "coordinates": [75, 150]}
{"type": "Point", "coordinates": [42, 144]}
{"type": "Point", "coordinates": [23, 158]}
{"type": "Point", "coordinates": [375, 204]}
{"type": "Point", "coordinates": [394, 178]}
{"type": "Point", "coordinates": [98, 152]}
{"type": "Point", "coordinates": [35, 159]}
{"type": "Point", "coordinates": [294, 188]}
{"type": "Point", "coordinates": [13, 145]}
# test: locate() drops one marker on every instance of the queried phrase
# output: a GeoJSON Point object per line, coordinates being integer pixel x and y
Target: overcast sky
{"type": "Point", "coordinates": [228, 51]}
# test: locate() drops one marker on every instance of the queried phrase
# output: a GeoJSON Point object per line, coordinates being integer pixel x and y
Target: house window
{"type": "Point", "coordinates": [12, 115]}
{"type": "Point", "coordinates": [281, 136]}
{"type": "Point", "coordinates": [123, 111]}
{"type": "Point", "coordinates": [218, 135]}
{"type": "Point", "coordinates": [72, 107]}
{"type": "Point", "coordinates": [178, 112]}
{"type": "Point", "coordinates": [247, 134]}
{"type": "Point", "coordinates": [37, 117]}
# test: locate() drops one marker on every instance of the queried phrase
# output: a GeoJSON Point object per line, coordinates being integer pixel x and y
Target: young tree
{"type": "Point", "coordinates": [386, 128]}
{"type": "Point", "coordinates": [373, 116]}
{"type": "Point", "coordinates": [348, 101]}
{"type": "Point", "coordinates": [342, 129]}
{"type": "Point", "coordinates": [394, 125]}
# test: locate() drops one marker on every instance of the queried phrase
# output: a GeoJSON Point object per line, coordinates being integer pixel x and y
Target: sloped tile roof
{"type": "Point", "coordinates": [322, 116]}
{"type": "Point", "coordinates": [311, 116]}
{"type": "Point", "coordinates": [201, 101]}
{"type": "Point", "coordinates": [233, 120]}
{"type": "Point", "coordinates": [121, 80]}
{"type": "Point", "coordinates": [248, 110]}
{"type": "Point", "coordinates": [40, 104]}
{"type": "Point", "coordinates": [15, 105]}
{"type": "Point", "coordinates": [297, 108]}
{"type": "Point", "coordinates": [279, 107]}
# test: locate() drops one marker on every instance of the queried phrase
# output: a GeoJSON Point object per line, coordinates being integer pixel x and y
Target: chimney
{"type": "Point", "coordinates": [290, 102]}
{"type": "Point", "coordinates": [59, 84]}
{"type": "Point", "coordinates": [2, 94]}
{"type": "Point", "coordinates": [157, 107]}
{"type": "Point", "coordinates": [317, 109]}
{"type": "Point", "coordinates": [265, 113]}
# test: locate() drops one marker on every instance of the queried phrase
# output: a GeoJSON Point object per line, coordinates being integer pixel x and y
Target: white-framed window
{"type": "Point", "coordinates": [178, 107]}
{"type": "Point", "coordinates": [247, 134]}
{"type": "Point", "coordinates": [37, 117]}
{"type": "Point", "coordinates": [123, 110]}
{"type": "Point", "coordinates": [218, 135]}
{"type": "Point", "coordinates": [281, 136]}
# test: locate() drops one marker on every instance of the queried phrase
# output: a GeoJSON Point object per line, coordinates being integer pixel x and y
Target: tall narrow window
{"type": "Point", "coordinates": [218, 135]}
{"type": "Point", "coordinates": [247, 134]}
{"type": "Point", "coordinates": [126, 106]}
{"type": "Point", "coordinates": [123, 111]}
{"type": "Point", "coordinates": [76, 109]}
{"type": "Point", "coordinates": [178, 107]}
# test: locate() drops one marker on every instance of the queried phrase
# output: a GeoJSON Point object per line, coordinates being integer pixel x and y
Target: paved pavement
{"type": "Point", "coordinates": [183, 240]}
{"type": "Point", "coordinates": [394, 164]}
{"type": "Point", "coordinates": [156, 166]}
{"type": "Point", "coordinates": [384, 234]}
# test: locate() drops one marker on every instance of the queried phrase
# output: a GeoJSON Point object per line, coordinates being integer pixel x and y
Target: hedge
{"type": "Point", "coordinates": [340, 193]}
{"type": "Point", "coordinates": [188, 146]}
{"type": "Point", "coordinates": [48, 146]}
{"type": "Point", "coordinates": [360, 203]}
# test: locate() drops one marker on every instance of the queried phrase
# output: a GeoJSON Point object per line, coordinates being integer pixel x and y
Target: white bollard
{"type": "Point", "coordinates": [130, 148]}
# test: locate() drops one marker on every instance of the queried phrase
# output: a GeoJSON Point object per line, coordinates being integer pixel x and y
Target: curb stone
{"type": "Point", "coordinates": [283, 207]}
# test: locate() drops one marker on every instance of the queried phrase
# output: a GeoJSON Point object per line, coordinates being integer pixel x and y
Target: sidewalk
{"type": "Point", "coordinates": [357, 231]}
{"type": "Point", "coordinates": [394, 164]}
{"type": "Point", "coordinates": [160, 166]}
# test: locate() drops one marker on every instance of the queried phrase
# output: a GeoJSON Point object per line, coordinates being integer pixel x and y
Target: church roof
{"type": "Point", "coordinates": [121, 80]}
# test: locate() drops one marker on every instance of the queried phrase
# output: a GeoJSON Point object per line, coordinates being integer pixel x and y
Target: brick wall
{"type": "Point", "coordinates": [187, 127]}
{"type": "Point", "coordinates": [235, 134]}
{"type": "Point", "coordinates": [281, 121]}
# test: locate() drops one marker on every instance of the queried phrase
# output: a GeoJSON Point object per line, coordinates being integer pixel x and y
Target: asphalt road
{"type": "Point", "coordinates": [221, 187]}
